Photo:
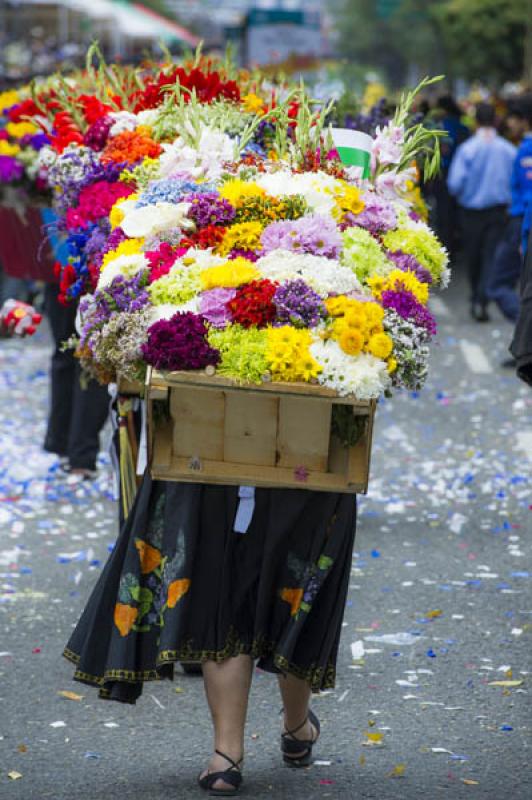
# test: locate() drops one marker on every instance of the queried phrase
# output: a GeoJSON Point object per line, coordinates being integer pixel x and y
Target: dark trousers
{"type": "Point", "coordinates": [505, 269]}
{"type": "Point", "coordinates": [78, 411]}
{"type": "Point", "coordinates": [482, 231]}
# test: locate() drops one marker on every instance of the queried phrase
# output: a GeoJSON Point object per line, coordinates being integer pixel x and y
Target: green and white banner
{"type": "Point", "coordinates": [354, 149]}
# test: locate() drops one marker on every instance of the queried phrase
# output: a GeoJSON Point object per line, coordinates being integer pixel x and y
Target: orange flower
{"type": "Point", "coordinates": [294, 597]}
{"type": "Point", "coordinates": [176, 590]}
{"type": "Point", "coordinates": [125, 617]}
{"type": "Point", "coordinates": [150, 557]}
{"type": "Point", "coordinates": [130, 147]}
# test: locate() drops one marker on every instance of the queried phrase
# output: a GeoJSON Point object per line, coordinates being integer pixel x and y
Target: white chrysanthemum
{"type": "Point", "coordinates": [324, 275]}
{"type": "Point", "coordinates": [149, 220]}
{"type": "Point", "coordinates": [123, 121]}
{"type": "Point", "coordinates": [364, 375]}
{"type": "Point", "coordinates": [316, 187]}
{"type": "Point", "coordinates": [206, 160]}
{"type": "Point", "coordinates": [127, 266]}
{"type": "Point", "coordinates": [202, 258]}
{"type": "Point", "coordinates": [47, 157]}
{"type": "Point", "coordinates": [167, 310]}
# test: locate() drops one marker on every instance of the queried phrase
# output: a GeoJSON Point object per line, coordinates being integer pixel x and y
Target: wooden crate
{"type": "Point", "coordinates": [125, 386]}
{"type": "Point", "coordinates": [207, 429]}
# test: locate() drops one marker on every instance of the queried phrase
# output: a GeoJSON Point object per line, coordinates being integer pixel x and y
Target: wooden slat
{"type": "Point", "coordinates": [250, 429]}
{"type": "Point", "coordinates": [198, 418]}
{"type": "Point", "coordinates": [309, 390]}
{"type": "Point", "coordinates": [222, 473]}
{"type": "Point", "coordinates": [304, 433]}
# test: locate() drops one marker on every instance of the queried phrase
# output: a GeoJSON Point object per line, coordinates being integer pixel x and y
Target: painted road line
{"type": "Point", "coordinates": [439, 308]}
{"type": "Point", "coordinates": [475, 357]}
{"type": "Point", "coordinates": [524, 442]}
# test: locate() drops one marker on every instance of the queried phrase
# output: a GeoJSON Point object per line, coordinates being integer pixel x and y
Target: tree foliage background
{"type": "Point", "coordinates": [488, 40]}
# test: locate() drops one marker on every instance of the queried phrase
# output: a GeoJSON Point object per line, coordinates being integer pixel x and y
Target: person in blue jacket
{"type": "Point", "coordinates": [503, 275]}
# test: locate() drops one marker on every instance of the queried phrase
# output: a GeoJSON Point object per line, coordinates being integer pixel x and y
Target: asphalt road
{"type": "Point", "coordinates": [442, 561]}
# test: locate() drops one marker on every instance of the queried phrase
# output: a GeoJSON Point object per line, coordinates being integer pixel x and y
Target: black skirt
{"type": "Point", "coordinates": [182, 585]}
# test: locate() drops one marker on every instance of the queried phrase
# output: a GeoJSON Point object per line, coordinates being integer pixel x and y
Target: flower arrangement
{"type": "Point", "coordinates": [218, 226]}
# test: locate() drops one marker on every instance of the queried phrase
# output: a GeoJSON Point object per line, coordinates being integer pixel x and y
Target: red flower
{"type": "Point", "coordinates": [210, 236]}
{"type": "Point", "coordinates": [93, 109]}
{"type": "Point", "coordinates": [208, 86]}
{"type": "Point", "coordinates": [25, 109]}
{"type": "Point", "coordinates": [253, 304]}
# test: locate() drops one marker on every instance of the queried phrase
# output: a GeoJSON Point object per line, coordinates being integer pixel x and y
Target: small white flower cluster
{"type": "Point", "coordinates": [324, 275]}
{"type": "Point", "coordinates": [363, 375]}
{"type": "Point", "coordinates": [316, 187]}
{"type": "Point", "coordinates": [124, 266]}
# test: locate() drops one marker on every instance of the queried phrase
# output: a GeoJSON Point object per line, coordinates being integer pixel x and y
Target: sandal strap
{"type": "Point", "coordinates": [231, 777]}
{"type": "Point", "coordinates": [295, 730]}
{"type": "Point", "coordinates": [235, 765]}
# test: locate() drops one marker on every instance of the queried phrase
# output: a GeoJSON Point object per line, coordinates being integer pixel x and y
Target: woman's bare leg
{"type": "Point", "coordinates": [295, 695]}
{"type": "Point", "coordinates": [227, 688]}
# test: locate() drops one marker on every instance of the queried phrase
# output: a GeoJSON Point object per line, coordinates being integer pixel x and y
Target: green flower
{"type": "Point", "coordinates": [420, 242]}
{"type": "Point", "coordinates": [363, 254]}
{"type": "Point", "coordinates": [179, 286]}
{"type": "Point", "coordinates": [243, 352]}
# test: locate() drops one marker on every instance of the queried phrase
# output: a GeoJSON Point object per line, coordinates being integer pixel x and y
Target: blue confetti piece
{"type": "Point", "coordinates": [375, 554]}
{"type": "Point", "coordinates": [25, 570]}
{"type": "Point", "coordinates": [520, 574]}
{"type": "Point", "coordinates": [506, 728]}
{"type": "Point", "coordinates": [430, 653]}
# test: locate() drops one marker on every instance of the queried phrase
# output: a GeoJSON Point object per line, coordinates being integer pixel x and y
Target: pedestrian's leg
{"type": "Point", "coordinates": [492, 236]}
{"type": "Point", "coordinates": [504, 271]}
{"type": "Point", "coordinates": [62, 373]}
{"type": "Point", "coordinates": [295, 695]}
{"type": "Point", "coordinates": [472, 238]}
{"type": "Point", "coordinates": [227, 688]}
{"type": "Point", "coordinates": [89, 412]}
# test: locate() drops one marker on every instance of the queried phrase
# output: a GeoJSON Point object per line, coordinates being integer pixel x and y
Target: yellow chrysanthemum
{"type": "Point", "coordinates": [392, 365]}
{"type": "Point", "coordinates": [380, 345]}
{"type": "Point", "coordinates": [374, 313]}
{"type": "Point", "coordinates": [377, 284]}
{"type": "Point", "coordinates": [19, 129]}
{"type": "Point", "coordinates": [407, 280]}
{"type": "Point", "coordinates": [351, 341]}
{"type": "Point", "coordinates": [8, 99]}
{"type": "Point", "coordinates": [231, 274]}
{"type": "Point", "coordinates": [242, 236]}
{"type": "Point", "coordinates": [288, 356]}
{"type": "Point", "coordinates": [143, 130]}
{"type": "Point", "coordinates": [253, 103]}
{"type": "Point", "coordinates": [355, 318]}
{"type": "Point", "coordinates": [130, 247]}
{"type": "Point", "coordinates": [336, 305]}
{"type": "Point", "coordinates": [347, 201]}
{"type": "Point", "coordinates": [7, 149]}
{"type": "Point", "coordinates": [235, 191]}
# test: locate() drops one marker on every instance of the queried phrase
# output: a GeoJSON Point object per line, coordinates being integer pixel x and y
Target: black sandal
{"type": "Point", "coordinates": [298, 752]}
{"type": "Point", "coordinates": [232, 776]}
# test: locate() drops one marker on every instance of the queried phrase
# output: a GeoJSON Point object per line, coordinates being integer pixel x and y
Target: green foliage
{"type": "Point", "coordinates": [475, 39]}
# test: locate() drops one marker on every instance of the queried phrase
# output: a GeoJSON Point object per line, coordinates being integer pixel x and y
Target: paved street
{"type": "Point", "coordinates": [439, 610]}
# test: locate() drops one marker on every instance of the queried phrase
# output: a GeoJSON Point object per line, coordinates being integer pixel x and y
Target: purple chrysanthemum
{"type": "Point", "coordinates": [406, 305]}
{"type": "Point", "coordinates": [179, 343]}
{"type": "Point", "coordinates": [312, 234]}
{"type": "Point", "coordinates": [378, 215]}
{"type": "Point", "coordinates": [213, 306]}
{"type": "Point", "coordinates": [409, 263]}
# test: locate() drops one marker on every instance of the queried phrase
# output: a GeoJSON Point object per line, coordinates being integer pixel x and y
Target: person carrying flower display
{"type": "Point", "coordinates": [213, 229]}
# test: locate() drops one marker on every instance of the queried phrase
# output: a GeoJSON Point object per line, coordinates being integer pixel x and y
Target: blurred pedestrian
{"type": "Point", "coordinates": [521, 347]}
{"type": "Point", "coordinates": [504, 271]}
{"type": "Point", "coordinates": [78, 407]}
{"type": "Point", "coordinates": [479, 177]}
{"type": "Point", "coordinates": [448, 116]}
